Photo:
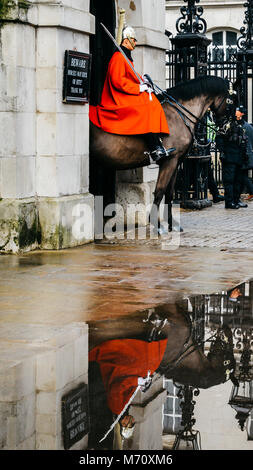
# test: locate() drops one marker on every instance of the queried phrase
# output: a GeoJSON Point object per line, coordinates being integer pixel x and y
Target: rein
{"type": "Point", "coordinates": [175, 104]}
{"type": "Point", "coordinates": [189, 349]}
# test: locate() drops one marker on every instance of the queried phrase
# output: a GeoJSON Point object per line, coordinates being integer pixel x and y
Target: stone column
{"type": "Point", "coordinates": [148, 19]}
{"type": "Point", "coordinates": [39, 365]}
{"type": "Point", "coordinates": [62, 129]}
{"type": "Point", "coordinates": [44, 164]}
{"type": "Point", "coordinates": [147, 410]}
{"type": "Point", "coordinates": [18, 213]}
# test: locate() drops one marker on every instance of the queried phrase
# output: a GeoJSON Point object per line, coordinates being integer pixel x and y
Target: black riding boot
{"type": "Point", "coordinates": [156, 148]}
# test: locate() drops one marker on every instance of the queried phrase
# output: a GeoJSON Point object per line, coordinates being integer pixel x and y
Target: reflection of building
{"type": "Point", "coordinates": [172, 413]}
{"type": "Point", "coordinates": [211, 312]}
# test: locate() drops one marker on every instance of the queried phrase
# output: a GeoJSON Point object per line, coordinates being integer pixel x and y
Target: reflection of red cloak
{"type": "Point", "coordinates": [121, 363]}
{"type": "Point", "coordinates": [123, 109]}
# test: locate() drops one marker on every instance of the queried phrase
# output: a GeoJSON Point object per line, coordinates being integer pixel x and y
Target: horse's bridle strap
{"type": "Point", "coordinates": [172, 102]}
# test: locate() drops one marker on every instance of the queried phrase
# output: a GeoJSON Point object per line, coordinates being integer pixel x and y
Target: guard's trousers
{"type": "Point", "coordinates": [232, 175]}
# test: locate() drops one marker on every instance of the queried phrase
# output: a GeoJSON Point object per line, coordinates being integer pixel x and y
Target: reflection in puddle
{"type": "Point", "coordinates": [174, 375]}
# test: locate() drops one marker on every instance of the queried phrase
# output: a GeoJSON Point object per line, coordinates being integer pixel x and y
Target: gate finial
{"type": "Point", "coordinates": [191, 21]}
{"type": "Point", "coordinates": [245, 41]}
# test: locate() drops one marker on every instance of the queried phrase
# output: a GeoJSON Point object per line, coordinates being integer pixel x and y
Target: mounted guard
{"type": "Point", "coordinates": [128, 104]}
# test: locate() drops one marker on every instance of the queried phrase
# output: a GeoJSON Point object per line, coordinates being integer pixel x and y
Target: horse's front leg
{"type": "Point", "coordinates": [166, 177]}
{"type": "Point", "coordinates": [173, 222]}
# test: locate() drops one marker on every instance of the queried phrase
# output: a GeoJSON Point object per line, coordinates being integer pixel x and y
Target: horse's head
{"type": "Point", "coordinates": [224, 107]}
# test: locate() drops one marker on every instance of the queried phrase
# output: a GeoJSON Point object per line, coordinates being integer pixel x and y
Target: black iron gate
{"type": "Point", "coordinates": [219, 63]}
{"type": "Point", "coordinates": [191, 55]}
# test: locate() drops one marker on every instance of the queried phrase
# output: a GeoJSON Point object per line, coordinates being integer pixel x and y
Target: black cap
{"type": "Point", "coordinates": [242, 109]}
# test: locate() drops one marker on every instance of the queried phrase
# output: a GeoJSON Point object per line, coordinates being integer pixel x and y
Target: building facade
{"type": "Point", "coordinates": [47, 181]}
{"type": "Point", "coordinates": [45, 196]}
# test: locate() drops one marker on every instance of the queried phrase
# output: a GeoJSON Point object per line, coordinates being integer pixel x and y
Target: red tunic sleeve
{"type": "Point", "coordinates": [121, 77]}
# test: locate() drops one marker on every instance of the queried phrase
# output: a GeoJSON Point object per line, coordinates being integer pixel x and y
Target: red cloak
{"type": "Point", "coordinates": [121, 363]}
{"type": "Point", "coordinates": [123, 109]}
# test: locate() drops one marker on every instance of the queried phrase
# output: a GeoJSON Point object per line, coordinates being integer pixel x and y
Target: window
{"type": "Point", "coordinates": [223, 45]}
{"type": "Point", "coordinates": [172, 413]}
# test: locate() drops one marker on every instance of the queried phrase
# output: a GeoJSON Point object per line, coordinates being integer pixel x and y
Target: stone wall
{"type": "Point", "coordinates": [39, 365]}
{"type": "Point", "coordinates": [147, 410]}
{"type": "Point", "coordinates": [216, 422]}
{"type": "Point", "coordinates": [44, 156]}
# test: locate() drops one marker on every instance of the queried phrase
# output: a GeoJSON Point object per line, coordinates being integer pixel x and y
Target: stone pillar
{"type": "Point", "coordinates": [62, 129]}
{"type": "Point", "coordinates": [38, 366]}
{"type": "Point", "coordinates": [18, 213]}
{"type": "Point", "coordinates": [44, 163]}
{"type": "Point", "coordinates": [148, 19]}
{"type": "Point", "coordinates": [147, 410]}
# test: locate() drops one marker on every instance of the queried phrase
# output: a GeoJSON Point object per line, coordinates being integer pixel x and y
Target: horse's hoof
{"type": "Point", "coordinates": [162, 230]}
{"type": "Point", "coordinates": [176, 228]}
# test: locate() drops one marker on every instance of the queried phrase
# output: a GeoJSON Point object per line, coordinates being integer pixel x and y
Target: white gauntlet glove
{"type": "Point", "coordinates": [143, 87]}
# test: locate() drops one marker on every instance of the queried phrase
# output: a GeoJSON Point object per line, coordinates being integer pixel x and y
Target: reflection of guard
{"type": "Point", "coordinates": [126, 367]}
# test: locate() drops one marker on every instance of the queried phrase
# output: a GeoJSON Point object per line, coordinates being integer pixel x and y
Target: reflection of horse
{"type": "Point", "coordinates": [126, 152]}
{"type": "Point", "coordinates": [159, 340]}
{"type": "Point", "coordinates": [184, 360]}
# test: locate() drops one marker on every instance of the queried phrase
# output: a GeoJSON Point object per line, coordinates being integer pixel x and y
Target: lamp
{"type": "Point", "coordinates": [187, 437]}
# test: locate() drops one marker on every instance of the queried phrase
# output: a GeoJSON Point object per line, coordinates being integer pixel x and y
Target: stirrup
{"type": "Point", "coordinates": [170, 150]}
{"type": "Point", "coordinates": [157, 156]}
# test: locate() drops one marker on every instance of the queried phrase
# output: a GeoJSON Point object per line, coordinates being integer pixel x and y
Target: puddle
{"type": "Point", "coordinates": [176, 376]}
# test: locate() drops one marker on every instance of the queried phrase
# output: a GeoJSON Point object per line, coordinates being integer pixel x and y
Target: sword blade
{"type": "Point", "coordinates": [122, 52]}
{"type": "Point", "coordinates": [121, 414]}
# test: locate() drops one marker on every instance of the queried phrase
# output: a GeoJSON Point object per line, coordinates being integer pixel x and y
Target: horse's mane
{"type": "Point", "coordinates": [204, 85]}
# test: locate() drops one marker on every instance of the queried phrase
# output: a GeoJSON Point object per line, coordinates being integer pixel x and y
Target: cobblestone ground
{"type": "Point", "coordinates": [216, 226]}
{"type": "Point", "coordinates": [211, 227]}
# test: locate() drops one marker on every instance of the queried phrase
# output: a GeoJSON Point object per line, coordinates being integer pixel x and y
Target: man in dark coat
{"type": "Point", "coordinates": [232, 152]}
{"type": "Point", "coordinates": [248, 160]}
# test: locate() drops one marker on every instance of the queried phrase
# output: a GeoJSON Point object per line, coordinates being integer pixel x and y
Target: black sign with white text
{"type": "Point", "coordinates": [76, 82]}
{"type": "Point", "coordinates": [75, 416]}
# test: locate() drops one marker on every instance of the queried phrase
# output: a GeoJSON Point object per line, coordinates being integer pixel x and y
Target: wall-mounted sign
{"type": "Point", "coordinates": [75, 415]}
{"type": "Point", "coordinates": [76, 80]}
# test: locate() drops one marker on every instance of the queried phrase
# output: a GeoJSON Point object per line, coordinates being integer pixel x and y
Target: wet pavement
{"type": "Point", "coordinates": [117, 285]}
{"type": "Point", "coordinates": [101, 281]}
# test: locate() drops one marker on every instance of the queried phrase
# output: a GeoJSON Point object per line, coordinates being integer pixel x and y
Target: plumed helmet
{"type": "Point", "coordinates": [128, 32]}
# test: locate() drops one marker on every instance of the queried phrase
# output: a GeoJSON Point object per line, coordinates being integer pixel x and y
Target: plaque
{"type": "Point", "coordinates": [75, 415]}
{"type": "Point", "coordinates": [76, 80]}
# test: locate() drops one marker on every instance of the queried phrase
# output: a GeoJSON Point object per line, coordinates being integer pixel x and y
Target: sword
{"type": "Point", "coordinates": [123, 53]}
{"type": "Point", "coordinates": [120, 415]}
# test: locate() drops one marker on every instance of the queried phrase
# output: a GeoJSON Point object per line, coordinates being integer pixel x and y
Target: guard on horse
{"type": "Point", "coordinates": [128, 104]}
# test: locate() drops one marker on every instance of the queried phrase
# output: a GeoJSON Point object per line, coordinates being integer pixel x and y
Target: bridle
{"type": "Point", "coordinates": [191, 346]}
{"type": "Point", "coordinates": [224, 124]}
{"type": "Point", "coordinates": [182, 110]}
